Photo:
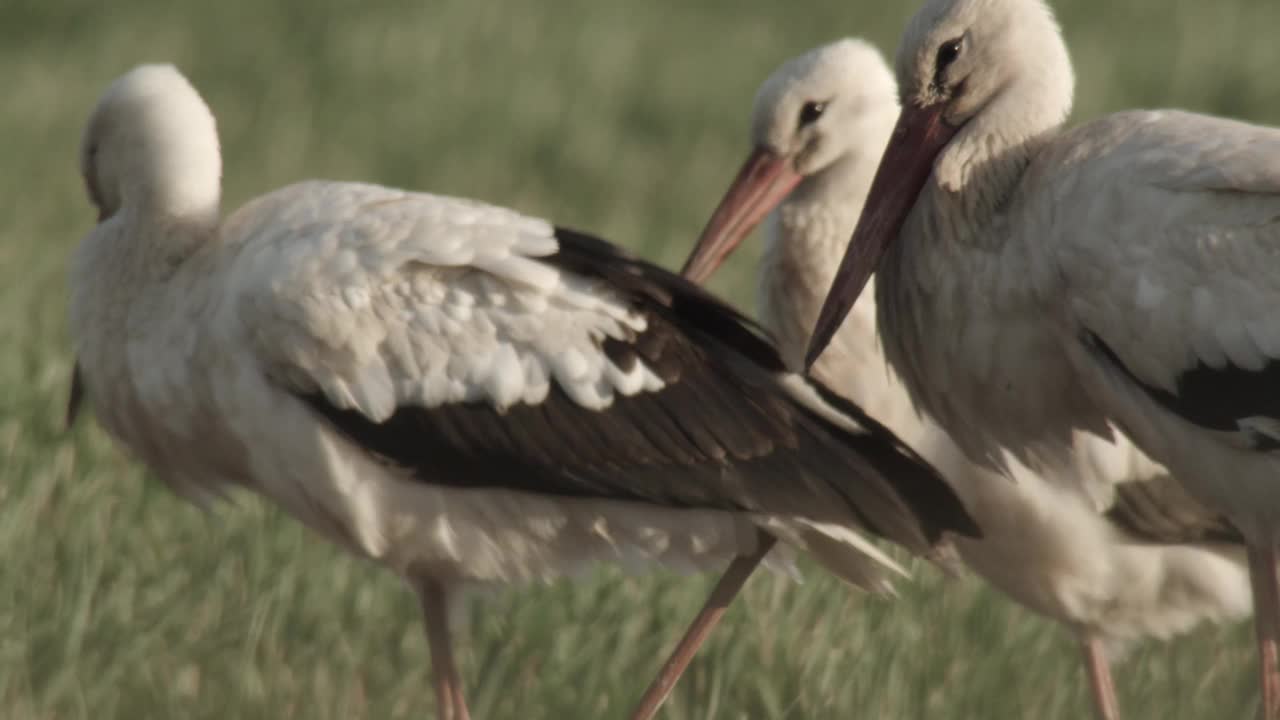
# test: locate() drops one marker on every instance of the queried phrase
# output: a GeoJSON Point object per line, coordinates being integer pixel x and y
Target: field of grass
{"type": "Point", "coordinates": [626, 118]}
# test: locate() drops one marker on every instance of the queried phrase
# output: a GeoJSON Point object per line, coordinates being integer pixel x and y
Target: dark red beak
{"type": "Point", "coordinates": [919, 136]}
{"type": "Point", "coordinates": [764, 180]}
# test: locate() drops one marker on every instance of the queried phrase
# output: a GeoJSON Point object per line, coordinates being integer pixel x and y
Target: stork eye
{"type": "Point", "coordinates": [948, 52]}
{"type": "Point", "coordinates": [811, 111]}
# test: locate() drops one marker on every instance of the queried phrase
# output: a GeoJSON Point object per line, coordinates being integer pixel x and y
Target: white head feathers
{"type": "Point", "coordinates": [152, 143]}
{"type": "Point", "coordinates": [814, 107]}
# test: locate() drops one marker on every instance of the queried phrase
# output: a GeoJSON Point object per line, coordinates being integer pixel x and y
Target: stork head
{"type": "Point", "coordinates": [976, 78]}
{"type": "Point", "coordinates": [151, 142]}
{"type": "Point", "coordinates": [958, 57]}
{"type": "Point", "coordinates": [811, 112]}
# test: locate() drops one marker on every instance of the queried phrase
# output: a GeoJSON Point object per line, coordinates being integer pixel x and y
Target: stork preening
{"type": "Point", "coordinates": [1103, 541]}
{"type": "Point", "coordinates": [459, 392]}
{"type": "Point", "coordinates": [1035, 282]}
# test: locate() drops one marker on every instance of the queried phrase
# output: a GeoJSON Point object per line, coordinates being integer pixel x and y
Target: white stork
{"type": "Point", "coordinates": [1105, 543]}
{"type": "Point", "coordinates": [1036, 282]}
{"type": "Point", "coordinates": [461, 393]}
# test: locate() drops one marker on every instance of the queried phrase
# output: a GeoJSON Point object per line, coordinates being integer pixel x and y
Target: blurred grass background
{"type": "Point", "coordinates": [626, 118]}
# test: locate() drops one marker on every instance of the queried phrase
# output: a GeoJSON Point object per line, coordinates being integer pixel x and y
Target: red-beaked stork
{"type": "Point", "coordinates": [459, 392]}
{"type": "Point", "coordinates": [1104, 542]}
{"type": "Point", "coordinates": [1036, 282]}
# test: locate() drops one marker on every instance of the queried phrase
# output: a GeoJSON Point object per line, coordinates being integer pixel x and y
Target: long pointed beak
{"type": "Point", "coordinates": [764, 180]}
{"type": "Point", "coordinates": [921, 133]}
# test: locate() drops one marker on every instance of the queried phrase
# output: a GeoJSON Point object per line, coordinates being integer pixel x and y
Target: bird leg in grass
{"type": "Point", "coordinates": [1101, 686]}
{"type": "Point", "coordinates": [449, 699]}
{"type": "Point", "coordinates": [1266, 605]}
{"type": "Point", "coordinates": [76, 397]}
{"type": "Point", "coordinates": [722, 595]}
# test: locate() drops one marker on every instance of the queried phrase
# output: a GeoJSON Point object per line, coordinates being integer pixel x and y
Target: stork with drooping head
{"type": "Point", "coordinates": [462, 393]}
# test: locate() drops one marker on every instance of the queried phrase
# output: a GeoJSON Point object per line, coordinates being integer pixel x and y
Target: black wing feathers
{"type": "Point", "coordinates": [1214, 398]}
{"type": "Point", "coordinates": [696, 309]}
{"type": "Point", "coordinates": [915, 478]}
{"type": "Point", "coordinates": [722, 434]}
{"type": "Point", "coordinates": [1158, 510]}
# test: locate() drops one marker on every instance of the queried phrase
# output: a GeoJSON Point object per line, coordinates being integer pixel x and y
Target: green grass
{"type": "Point", "coordinates": [627, 118]}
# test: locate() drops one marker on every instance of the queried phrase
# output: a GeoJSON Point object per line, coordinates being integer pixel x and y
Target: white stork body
{"type": "Point", "coordinates": [1098, 537]}
{"type": "Point", "coordinates": [305, 279]}
{"type": "Point", "coordinates": [1052, 538]}
{"type": "Point", "coordinates": [462, 393]}
{"type": "Point", "coordinates": [1036, 283]}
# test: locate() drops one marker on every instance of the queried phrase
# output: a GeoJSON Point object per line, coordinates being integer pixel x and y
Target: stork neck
{"type": "Point", "coordinates": [817, 218]}
{"type": "Point", "coordinates": [978, 173]}
{"type": "Point", "coordinates": [156, 244]}
{"type": "Point", "coordinates": [840, 186]}
{"type": "Point", "coordinates": [810, 236]}
{"type": "Point", "coordinates": [193, 208]}
{"type": "Point", "coordinates": [170, 194]}
{"type": "Point", "coordinates": [976, 179]}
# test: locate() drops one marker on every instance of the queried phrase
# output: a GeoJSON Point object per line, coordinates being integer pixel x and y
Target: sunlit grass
{"type": "Point", "coordinates": [118, 601]}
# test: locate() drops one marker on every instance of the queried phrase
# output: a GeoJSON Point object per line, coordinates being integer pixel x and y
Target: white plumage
{"type": "Point", "coordinates": [1037, 283]}
{"type": "Point", "coordinates": [1048, 540]}
{"type": "Point", "coordinates": [450, 388]}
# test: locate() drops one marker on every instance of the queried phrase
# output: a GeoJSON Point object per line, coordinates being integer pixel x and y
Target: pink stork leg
{"type": "Point", "coordinates": [449, 700]}
{"type": "Point", "coordinates": [724, 592]}
{"type": "Point", "coordinates": [1103, 688]}
{"type": "Point", "coordinates": [1266, 620]}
